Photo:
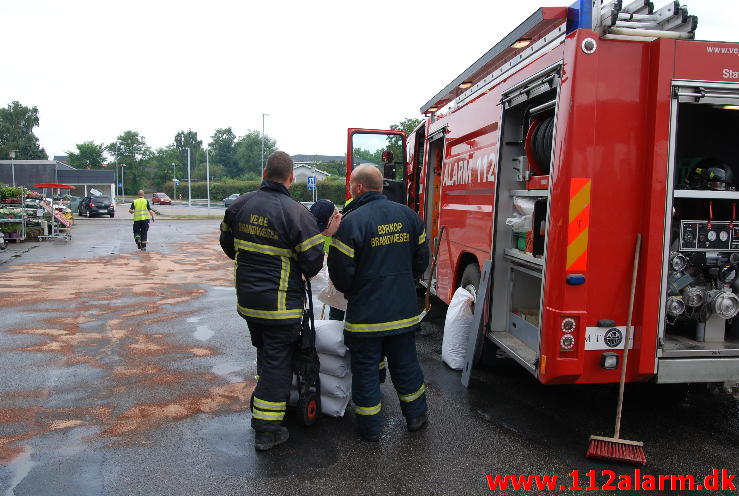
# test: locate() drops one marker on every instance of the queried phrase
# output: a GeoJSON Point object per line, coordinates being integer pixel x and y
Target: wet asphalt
{"type": "Point", "coordinates": [129, 373]}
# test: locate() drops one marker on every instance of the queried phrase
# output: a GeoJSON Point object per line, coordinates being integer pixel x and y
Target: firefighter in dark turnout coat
{"type": "Point", "coordinates": [375, 257]}
{"type": "Point", "coordinates": [274, 241]}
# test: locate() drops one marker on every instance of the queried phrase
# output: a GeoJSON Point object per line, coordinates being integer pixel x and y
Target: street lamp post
{"type": "Point", "coordinates": [118, 184]}
{"type": "Point", "coordinates": [12, 164]}
{"type": "Point", "coordinates": [263, 115]}
{"type": "Point", "coordinates": [123, 185]}
{"type": "Point", "coordinates": [174, 180]}
{"type": "Point", "coordinates": [207, 177]}
{"type": "Point", "coordinates": [189, 185]}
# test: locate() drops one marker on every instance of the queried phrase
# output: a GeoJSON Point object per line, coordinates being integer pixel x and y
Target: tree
{"type": "Point", "coordinates": [407, 125]}
{"type": "Point", "coordinates": [394, 143]}
{"type": "Point", "coordinates": [160, 168]}
{"type": "Point", "coordinates": [185, 140]}
{"type": "Point", "coordinates": [335, 168]}
{"type": "Point", "coordinates": [16, 132]}
{"type": "Point", "coordinates": [130, 148]}
{"type": "Point", "coordinates": [222, 150]}
{"type": "Point", "coordinates": [249, 152]}
{"type": "Point", "coordinates": [89, 155]}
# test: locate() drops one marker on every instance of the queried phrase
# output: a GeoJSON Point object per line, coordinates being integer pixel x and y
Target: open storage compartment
{"type": "Point", "coordinates": [521, 215]}
{"type": "Point", "coordinates": [700, 283]}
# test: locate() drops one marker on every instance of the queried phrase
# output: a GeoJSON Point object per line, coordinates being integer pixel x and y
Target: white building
{"type": "Point", "coordinates": [303, 171]}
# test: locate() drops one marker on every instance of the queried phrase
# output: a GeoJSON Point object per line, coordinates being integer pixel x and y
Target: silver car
{"type": "Point", "coordinates": [230, 199]}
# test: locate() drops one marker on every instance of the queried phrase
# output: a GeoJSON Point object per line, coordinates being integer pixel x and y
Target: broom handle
{"type": "Point", "coordinates": [427, 299]}
{"type": "Point", "coordinates": [629, 333]}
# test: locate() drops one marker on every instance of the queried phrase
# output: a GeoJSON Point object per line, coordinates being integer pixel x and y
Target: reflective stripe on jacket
{"type": "Point", "coordinates": [140, 209]}
{"type": "Point", "coordinates": [274, 241]}
{"type": "Point", "coordinates": [375, 258]}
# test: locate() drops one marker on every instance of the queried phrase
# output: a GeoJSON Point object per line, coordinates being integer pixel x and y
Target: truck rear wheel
{"type": "Point", "coordinates": [486, 352]}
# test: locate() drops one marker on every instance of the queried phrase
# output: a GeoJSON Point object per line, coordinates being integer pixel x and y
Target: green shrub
{"type": "Point", "coordinates": [332, 189]}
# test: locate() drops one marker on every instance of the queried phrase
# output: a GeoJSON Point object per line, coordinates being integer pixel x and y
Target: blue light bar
{"type": "Point", "coordinates": [580, 15]}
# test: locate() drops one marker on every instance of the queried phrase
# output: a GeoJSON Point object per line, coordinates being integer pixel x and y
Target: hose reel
{"type": "Point", "coordinates": [539, 145]}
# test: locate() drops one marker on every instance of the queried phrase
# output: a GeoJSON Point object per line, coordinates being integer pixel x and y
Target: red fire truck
{"type": "Point", "coordinates": [545, 158]}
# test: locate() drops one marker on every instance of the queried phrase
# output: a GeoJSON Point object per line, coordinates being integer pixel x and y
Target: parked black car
{"type": "Point", "coordinates": [96, 205]}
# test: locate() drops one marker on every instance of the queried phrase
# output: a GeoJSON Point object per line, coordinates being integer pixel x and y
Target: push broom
{"type": "Point", "coordinates": [614, 448]}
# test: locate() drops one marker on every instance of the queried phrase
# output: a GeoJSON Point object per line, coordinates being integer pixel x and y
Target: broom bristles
{"type": "Point", "coordinates": [619, 450]}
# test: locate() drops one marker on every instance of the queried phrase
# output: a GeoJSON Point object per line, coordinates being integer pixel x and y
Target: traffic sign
{"type": "Point", "coordinates": [311, 182]}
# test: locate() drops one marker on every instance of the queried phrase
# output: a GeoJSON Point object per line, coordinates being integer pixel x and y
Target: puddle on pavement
{"type": "Point", "coordinates": [203, 333]}
{"type": "Point", "coordinates": [226, 368]}
{"type": "Point", "coordinates": [19, 468]}
{"type": "Point", "coordinates": [107, 314]}
{"type": "Point", "coordinates": [307, 452]}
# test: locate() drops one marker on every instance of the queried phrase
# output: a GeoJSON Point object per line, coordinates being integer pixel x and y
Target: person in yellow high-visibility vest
{"type": "Point", "coordinates": [142, 214]}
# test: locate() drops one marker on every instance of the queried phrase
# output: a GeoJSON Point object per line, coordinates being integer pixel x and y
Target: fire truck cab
{"type": "Point", "coordinates": [582, 128]}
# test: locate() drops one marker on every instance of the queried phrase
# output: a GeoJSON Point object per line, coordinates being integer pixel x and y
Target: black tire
{"type": "Point", "coordinates": [112, 215]}
{"type": "Point", "coordinates": [308, 410]}
{"type": "Point", "coordinates": [470, 280]}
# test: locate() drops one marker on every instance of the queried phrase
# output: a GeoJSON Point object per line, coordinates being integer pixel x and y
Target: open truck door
{"type": "Point", "coordinates": [383, 149]}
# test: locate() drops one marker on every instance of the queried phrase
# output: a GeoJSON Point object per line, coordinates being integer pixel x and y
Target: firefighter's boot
{"type": "Point", "coordinates": [264, 441]}
{"type": "Point", "coordinates": [142, 246]}
{"type": "Point", "coordinates": [417, 423]}
{"type": "Point", "coordinates": [137, 238]}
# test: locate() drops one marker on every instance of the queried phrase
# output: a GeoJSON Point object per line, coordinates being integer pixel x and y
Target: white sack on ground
{"type": "Point", "coordinates": [334, 365]}
{"type": "Point", "coordinates": [332, 406]}
{"type": "Point", "coordinates": [330, 337]}
{"type": "Point", "coordinates": [332, 297]}
{"type": "Point", "coordinates": [457, 327]}
{"type": "Point", "coordinates": [339, 387]}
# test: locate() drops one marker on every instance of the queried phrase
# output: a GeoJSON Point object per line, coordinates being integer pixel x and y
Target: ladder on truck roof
{"type": "Point", "coordinates": [635, 20]}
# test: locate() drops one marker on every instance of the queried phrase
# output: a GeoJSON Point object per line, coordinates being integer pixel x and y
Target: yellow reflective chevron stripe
{"type": "Point", "coordinates": [407, 398]}
{"type": "Point", "coordinates": [422, 238]}
{"type": "Point", "coordinates": [382, 326]}
{"type": "Point", "coordinates": [284, 278]}
{"type": "Point", "coordinates": [270, 314]}
{"type": "Point", "coordinates": [368, 410]}
{"type": "Point", "coordinates": [267, 415]}
{"type": "Point", "coordinates": [309, 243]}
{"type": "Point", "coordinates": [270, 405]}
{"type": "Point", "coordinates": [224, 227]}
{"type": "Point", "coordinates": [264, 249]}
{"type": "Point", "coordinates": [343, 248]}
{"type": "Point", "coordinates": [382, 364]}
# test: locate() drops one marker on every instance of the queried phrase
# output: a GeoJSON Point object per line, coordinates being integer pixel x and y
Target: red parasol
{"type": "Point", "coordinates": [53, 185]}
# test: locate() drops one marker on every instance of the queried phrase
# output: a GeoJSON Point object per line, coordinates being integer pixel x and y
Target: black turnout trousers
{"type": "Point", "coordinates": [140, 228]}
{"type": "Point", "coordinates": [275, 346]}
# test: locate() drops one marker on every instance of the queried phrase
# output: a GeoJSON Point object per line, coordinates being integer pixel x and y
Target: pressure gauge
{"type": "Point", "coordinates": [711, 236]}
{"type": "Point", "coordinates": [567, 342]}
{"type": "Point", "coordinates": [723, 236]}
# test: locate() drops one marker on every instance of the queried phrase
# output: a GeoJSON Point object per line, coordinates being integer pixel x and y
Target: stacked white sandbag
{"type": "Point", "coordinates": [335, 373]}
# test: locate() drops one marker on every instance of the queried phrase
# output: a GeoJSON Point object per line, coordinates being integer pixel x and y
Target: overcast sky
{"type": "Point", "coordinates": [96, 68]}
